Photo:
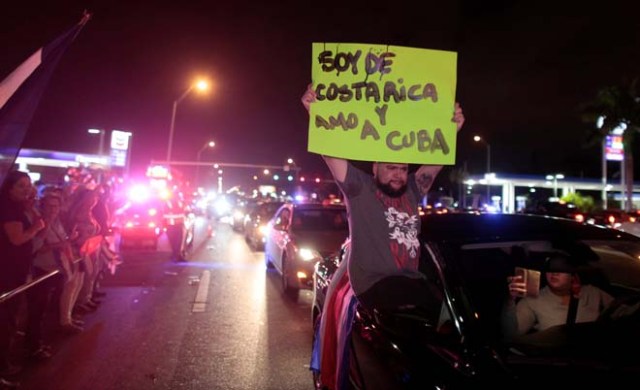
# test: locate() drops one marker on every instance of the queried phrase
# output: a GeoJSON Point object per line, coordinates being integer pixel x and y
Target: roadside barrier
{"type": "Point", "coordinates": [8, 295]}
{"type": "Point", "coordinates": [91, 246]}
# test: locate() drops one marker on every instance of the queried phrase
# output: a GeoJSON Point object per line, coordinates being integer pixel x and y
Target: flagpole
{"type": "Point", "coordinates": [21, 91]}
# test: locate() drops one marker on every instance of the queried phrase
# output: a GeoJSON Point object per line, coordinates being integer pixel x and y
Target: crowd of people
{"type": "Point", "coordinates": [55, 237]}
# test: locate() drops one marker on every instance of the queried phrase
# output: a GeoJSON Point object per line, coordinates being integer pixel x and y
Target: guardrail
{"type": "Point", "coordinates": [90, 247]}
{"type": "Point", "coordinates": [10, 294]}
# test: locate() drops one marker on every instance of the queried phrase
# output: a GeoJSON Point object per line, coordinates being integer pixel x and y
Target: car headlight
{"type": "Point", "coordinates": [307, 254]}
{"type": "Point", "coordinates": [263, 230]}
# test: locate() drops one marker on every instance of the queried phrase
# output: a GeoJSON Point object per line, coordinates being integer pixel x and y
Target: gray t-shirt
{"type": "Point", "coordinates": [384, 231]}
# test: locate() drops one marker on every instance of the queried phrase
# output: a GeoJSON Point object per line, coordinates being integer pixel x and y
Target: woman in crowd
{"type": "Point", "coordinates": [81, 222]}
{"type": "Point", "coordinates": [54, 253]}
{"type": "Point", "coordinates": [16, 245]}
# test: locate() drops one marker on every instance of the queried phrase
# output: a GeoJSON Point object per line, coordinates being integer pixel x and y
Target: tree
{"type": "Point", "coordinates": [584, 203]}
{"type": "Point", "coordinates": [618, 106]}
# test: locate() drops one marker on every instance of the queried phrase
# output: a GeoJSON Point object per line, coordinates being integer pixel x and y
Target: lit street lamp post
{"type": "Point", "coordinates": [202, 86]}
{"type": "Point", "coordinates": [291, 166]}
{"type": "Point", "coordinates": [477, 138]}
{"type": "Point", "coordinates": [209, 144]}
{"type": "Point", "coordinates": [555, 178]}
{"type": "Point", "coordinates": [219, 181]}
{"type": "Point", "coordinates": [292, 176]}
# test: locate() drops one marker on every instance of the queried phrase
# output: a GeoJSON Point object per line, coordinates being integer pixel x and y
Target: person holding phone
{"type": "Point", "coordinates": [525, 313]}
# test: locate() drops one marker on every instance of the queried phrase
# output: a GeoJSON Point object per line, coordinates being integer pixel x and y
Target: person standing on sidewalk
{"type": "Point", "coordinates": [16, 245]}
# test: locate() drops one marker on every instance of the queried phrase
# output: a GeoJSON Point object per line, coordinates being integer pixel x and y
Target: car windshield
{"type": "Point", "coordinates": [480, 272]}
{"type": "Point", "coordinates": [320, 219]}
{"type": "Point", "coordinates": [266, 210]}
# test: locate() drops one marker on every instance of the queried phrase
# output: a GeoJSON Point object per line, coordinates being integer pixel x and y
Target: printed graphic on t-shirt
{"type": "Point", "coordinates": [404, 237]}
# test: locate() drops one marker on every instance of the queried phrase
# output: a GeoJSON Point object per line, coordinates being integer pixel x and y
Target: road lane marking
{"type": "Point", "coordinates": [200, 303]}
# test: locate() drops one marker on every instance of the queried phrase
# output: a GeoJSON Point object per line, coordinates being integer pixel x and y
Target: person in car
{"type": "Point", "coordinates": [384, 224]}
{"type": "Point", "coordinates": [551, 306]}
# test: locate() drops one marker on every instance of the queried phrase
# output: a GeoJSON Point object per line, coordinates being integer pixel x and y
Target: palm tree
{"type": "Point", "coordinates": [618, 106]}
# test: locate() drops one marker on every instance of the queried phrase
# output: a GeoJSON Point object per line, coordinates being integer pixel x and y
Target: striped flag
{"type": "Point", "coordinates": [21, 91]}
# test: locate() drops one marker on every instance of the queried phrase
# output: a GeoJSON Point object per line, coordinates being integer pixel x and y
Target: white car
{"type": "Point", "coordinates": [298, 236]}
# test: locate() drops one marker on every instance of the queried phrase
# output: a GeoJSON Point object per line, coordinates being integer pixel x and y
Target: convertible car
{"type": "Point", "coordinates": [459, 342]}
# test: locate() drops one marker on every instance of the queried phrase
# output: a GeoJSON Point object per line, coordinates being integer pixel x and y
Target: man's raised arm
{"type": "Point", "coordinates": [337, 166]}
{"type": "Point", "coordinates": [426, 174]}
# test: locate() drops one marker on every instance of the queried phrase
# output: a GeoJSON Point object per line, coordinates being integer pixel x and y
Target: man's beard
{"type": "Point", "coordinates": [390, 191]}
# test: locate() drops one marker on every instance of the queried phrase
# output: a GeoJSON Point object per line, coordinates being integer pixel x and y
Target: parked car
{"type": "Point", "coordinates": [239, 213]}
{"type": "Point", "coordinates": [467, 258]}
{"type": "Point", "coordinates": [298, 236]}
{"type": "Point", "coordinates": [556, 209]}
{"type": "Point", "coordinates": [611, 218]}
{"type": "Point", "coordinates": [255, 223]}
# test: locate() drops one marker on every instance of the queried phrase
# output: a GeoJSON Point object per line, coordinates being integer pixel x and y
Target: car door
{"type": "Point", "coordinates": [278, 236]}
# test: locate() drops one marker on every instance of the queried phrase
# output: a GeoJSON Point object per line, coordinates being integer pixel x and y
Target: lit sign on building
{"type": "Point", "coordinates": [158, 172]}
{"type": "Point", "coordinates": [614, 149]}
{"type": "Point", "coordinates": [119, 147]}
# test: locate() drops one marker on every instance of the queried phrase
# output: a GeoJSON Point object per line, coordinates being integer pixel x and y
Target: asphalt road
{"type": "Point", "coordinates": [219, 321]}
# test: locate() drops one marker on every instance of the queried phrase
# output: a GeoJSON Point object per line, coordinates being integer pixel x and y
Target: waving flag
{"type": "Point", "coordinates": [20, 93]}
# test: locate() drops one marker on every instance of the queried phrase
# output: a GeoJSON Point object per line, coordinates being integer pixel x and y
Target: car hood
{"type": "Point", "coordinates": [325, 242]}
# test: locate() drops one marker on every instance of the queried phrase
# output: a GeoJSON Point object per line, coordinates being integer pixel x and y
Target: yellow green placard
{"type": "Point", "coordinates": [383, 103]}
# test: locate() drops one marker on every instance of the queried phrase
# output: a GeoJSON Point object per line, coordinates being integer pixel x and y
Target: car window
{"type": "Point", "coordinates": [320, 219]}
{"type": "Point", "coordinates": [282, 218]}
{"type": "Point", "coordinates": [266, 211]}
{"type": "Point", "coordinates": [482, 271]}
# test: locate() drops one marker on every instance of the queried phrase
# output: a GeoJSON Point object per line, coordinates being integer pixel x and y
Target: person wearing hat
{"type": "Point", "coordinates": [551, 306]}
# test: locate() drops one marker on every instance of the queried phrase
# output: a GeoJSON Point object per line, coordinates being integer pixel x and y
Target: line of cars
{"type": "Point", "coordinates": [610, 218]}
{"type": "Point", "coordinates": [467, 259]}
{"type": "Point", "coordinates": [256, 223]}
{"type": "Point", "coordinates": [294, 236]}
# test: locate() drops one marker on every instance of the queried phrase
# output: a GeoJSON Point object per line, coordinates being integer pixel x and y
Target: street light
{"type": "Point", "coordinates": [555, 178]}
{"type": "Point", "coordinates": [101, 132]}
{"type": "Point", "coordinates": [291, 165]}
{"type": "Point", "coordinates": [209, 144]}
{"type": "Point", "coordinates": [219, 181]}
{"type": "Point", "coordinates": [477, 138]}
{"type": "Point", "coordinates": [200, 85]}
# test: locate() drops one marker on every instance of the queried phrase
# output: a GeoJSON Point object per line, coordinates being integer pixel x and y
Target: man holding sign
{"type": "Point", "coordinates": [381, 103]}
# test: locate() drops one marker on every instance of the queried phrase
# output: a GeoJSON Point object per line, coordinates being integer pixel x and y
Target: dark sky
{"type": "Point", "coordinates": [524, 67]}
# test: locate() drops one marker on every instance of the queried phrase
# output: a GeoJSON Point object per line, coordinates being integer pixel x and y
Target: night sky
{"type": "Point", "coordinates": [524, 69]}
